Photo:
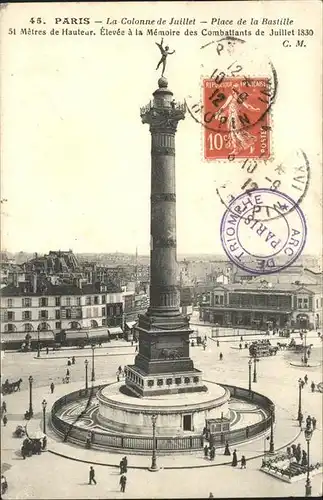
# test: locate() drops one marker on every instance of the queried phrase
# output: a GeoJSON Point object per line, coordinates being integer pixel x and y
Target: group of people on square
{"type": "Point", "coordinates": [297, 455]}
{"type": "Point", "coordinates": [123, 477]}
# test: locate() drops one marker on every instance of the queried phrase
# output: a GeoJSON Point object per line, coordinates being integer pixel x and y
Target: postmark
{"type": "Point", "coordinates": [290, 175]}
{"type": "Point", "coordinates": [256, 243]}
{"type": "Point", "coordinates": [230, 104]}
{"type": "Point", "coordinates": [221, 61]}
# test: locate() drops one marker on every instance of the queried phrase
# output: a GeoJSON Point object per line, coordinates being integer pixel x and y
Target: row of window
{"type": "Point", "coordinates": [28, 327]}
{"type": "Point", "coordinates": [43, 301]}
{"type": "Point", "coordinates": [64, 313]}
{"type": "Point", "coordinates": [59, 314]}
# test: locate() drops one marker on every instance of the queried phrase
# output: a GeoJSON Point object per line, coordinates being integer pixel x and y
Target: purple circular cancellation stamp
{"type": "Point", "coordinates": [260, 233]}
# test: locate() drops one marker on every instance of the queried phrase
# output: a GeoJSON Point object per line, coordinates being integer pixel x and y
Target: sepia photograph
{"type": "Point", "coordinates": [161, 249]}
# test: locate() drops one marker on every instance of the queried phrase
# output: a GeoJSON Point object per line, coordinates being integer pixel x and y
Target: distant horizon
{"type": "Point", "coordinates": [119, 252]}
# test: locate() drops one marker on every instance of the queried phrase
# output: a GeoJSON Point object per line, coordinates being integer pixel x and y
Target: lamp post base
{"type": "Point", "coordinates": [271, 448]}
{"type": "Point", "coordinates": [308, 488]}
{"type": "Point", "coordinates": [153, 468]}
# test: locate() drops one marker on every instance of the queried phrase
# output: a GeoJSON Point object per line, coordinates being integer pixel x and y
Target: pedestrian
{"type": "Point", "coordinates": [67, 373]}
{"type": "Point", "coordinates": [308, 422]}
{"type": "Point", "coordinates": [306, 379]}
{"type": "Point", "coordinates": [67, 379]}
{"type": "Point", "coordinates": [5, 420]}
{"type": "Point", "coordinates": [206, 451]}
{"type": "Point", "coordinates": [308, 353]}
{"type": "Point", "coordinates": [314, 423]}
{"type": "Point", "coordinates": [121, 466]}
{"type": "Point", "coordinates": [243, 462]}
{"type": "Point", "coordinates": [241, 338]}
{"type": "Point", "coordinates": [92, 476]}
{"type": "Point", "coordinates": [212, 453]}
{"type": "Point", "coordinates": [204, 345]}
{"type": "Point", "coordinates": [4, 407]}
{"type": "Point", "coordinates": [211, 495]}
{"type": "Point", "coordinates": [4, 484]}
{"type": "Point", "coordinates": [73, 360]}
{"type": "Point", "coordinates": [120, 369]}
{"type": "Point", "coordinates": [136, 349]}
{"type": "Point", "coordinates": [313, 386]}
{"type": "Point", "coordinates": [122, 482]}
{"type": "Point", "coordinates": [221, 356]}
{"type": "Point", "coordinates": [131, 343]}
{"type": "Point", "coordinates": [300, 419]}
{"type": "Point", "coordinates": [304, 458]}
{"type": "Point", "coordinates": [302, 384]}
{"type": "Point", "coordinates": [125, 464]}
{"type": "Point", "coordinates": [234, 462]}
{"type": "Point", "coordinates": [298, 452]}
{"type": "Point", "coordinates": [294, 450]}
{"type": "Point", "coordinates": [217, 343]}
{"type": "Point", "coordinates": [52, 387]}
{"type": "Point", "coordinates": [69, 362]}
{"type": "Point", "coordinates": [47, 350]}
{"type": "Point", "coordinates": [247, 432]}
{"type": "Point", "coordinates": [226, 449]}
{"type": "Point", "coordinates": [23, 452]}
{"type": "Point", "coordinates": [118, 377]}
{"type": "Point", "coordinates": [240, 346]}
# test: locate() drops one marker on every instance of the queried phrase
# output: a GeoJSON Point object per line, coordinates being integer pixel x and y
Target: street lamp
{"type": "Point", "coordinates": [93, 372]}
{"type": "Point", "coordinates": [44, 404]}
{"type": "Point", "coordinates": [31, 413]}
{"type": "Point", "coordinates": [308, 487]}
{"type": "Point", "coordinates": [154, 467]}
{"type": "Point", "coordinates": [86, 377]}
{"type": "Point", "coordinates": [271, 443]}
{"type": "Point", "coordinates": [255, 359]}
{"type": "Point", "coordinates": [250, 364]}
{"type": "Point", "coordinates": [300, 386]}
{"type": "Point", "coordinates": [38, 345]}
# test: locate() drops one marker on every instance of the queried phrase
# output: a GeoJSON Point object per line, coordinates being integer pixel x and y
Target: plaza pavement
{"type": "Point", "coordinates": [51, 476]}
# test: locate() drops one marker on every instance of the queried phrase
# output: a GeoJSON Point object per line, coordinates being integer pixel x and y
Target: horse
{"type": "Point", "coordinates": [8, 388]}
{"type": "Point", "coordinates": [16, 385]}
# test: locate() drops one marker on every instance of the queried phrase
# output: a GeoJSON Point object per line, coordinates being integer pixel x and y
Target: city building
{"type": "Point", "coordinates": [259, 304]}
{"type": "Point", "coordinates": [39, 306]}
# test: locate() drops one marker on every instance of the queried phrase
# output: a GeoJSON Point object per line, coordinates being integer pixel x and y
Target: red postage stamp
{"type": "Point", "coordinates": [236, 118]}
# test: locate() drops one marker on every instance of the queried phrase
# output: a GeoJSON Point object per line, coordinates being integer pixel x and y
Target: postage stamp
{"type": "Point", "coordinates": [237, 124]}
{"type": "Point", "coordinates": [255, 241]}
{"type": "Point", "coordinates": [237, 90]}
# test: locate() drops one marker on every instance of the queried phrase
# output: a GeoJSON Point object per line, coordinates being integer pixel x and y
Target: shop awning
{"type": "Point", "coordinates": [131, 324]}
{"type": "Point", "coordinates": [115, 331]}
{"type": "Point", "coordinates": [98, 333]}
{"type": "Point", "coordinates": [76, 334]}
{"type": "Point", "coordinates": [14, 337]}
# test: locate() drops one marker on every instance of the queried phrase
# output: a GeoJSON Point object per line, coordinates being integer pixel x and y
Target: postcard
{"type": "Point", "coordinates": [161, 252]}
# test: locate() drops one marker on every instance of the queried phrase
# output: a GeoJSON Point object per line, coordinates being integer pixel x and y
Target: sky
{"type": "Point", "coordinates": [75, 156]}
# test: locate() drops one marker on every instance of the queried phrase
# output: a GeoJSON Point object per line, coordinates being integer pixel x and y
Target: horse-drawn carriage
{"type": "Point", "coordinates": [260, 348]}
{"type": "Point", "coordinates": [298, 347]}
{"type": "Point", "coordinates": [8, 388]}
